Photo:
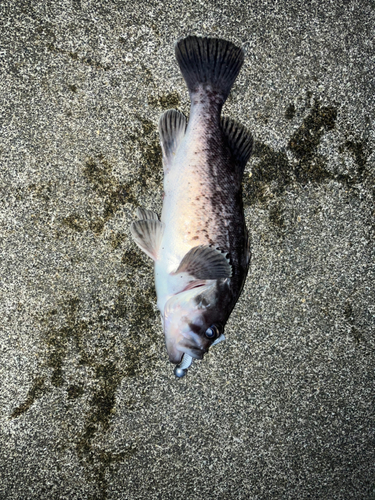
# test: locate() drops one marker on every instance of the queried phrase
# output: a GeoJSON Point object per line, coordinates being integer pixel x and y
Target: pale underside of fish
{"type": "Point", "coordinates": [201, 245]}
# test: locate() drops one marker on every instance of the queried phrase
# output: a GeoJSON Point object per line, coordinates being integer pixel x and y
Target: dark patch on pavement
{"type": "Point", "coordinates": [306, 139]}
{"type": "Point", "coordinates": [82, 59]}
{"type": "Point", "coordinates": [75, 391]}
{"type": "Point", "coordinates": [273, 172]}
{"type": "Point", "coordinates": [114, 194]}
{"type": "Point", "coordinates": [290, 111]}
{"type": "Point", "coordinates": [164, 101]}
{"type": "Point", "coordinates": [97, 462]}
{"type": "Point", "coordinates": [35, 392]}
{"type": "Point", "coordinates": [139, 318]}
{"type": "Point", "coordinates": [349, 316]}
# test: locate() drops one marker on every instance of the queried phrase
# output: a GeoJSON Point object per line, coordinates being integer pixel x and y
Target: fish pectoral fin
{"type": "Point", "coordinates": [240, 142]}
{"type": "Point", "coordinates": [205, 263]}
{"type": "Point", "coordinates": [147, 234]}
{"type": "Point", "coordinates": [172, 127]}
{"type": "Point", "coordinates": [144, 214]}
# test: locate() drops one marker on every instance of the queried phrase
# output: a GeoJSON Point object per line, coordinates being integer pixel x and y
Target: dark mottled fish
{"type": "Point", "coordinates": [201, 245]}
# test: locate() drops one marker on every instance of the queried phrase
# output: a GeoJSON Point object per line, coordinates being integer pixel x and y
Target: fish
{"type": "Point", "coordinates": [200, 246]}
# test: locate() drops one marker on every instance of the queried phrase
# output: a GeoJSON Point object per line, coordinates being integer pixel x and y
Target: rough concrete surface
{"type": "Point", "coordinates": [90, 408]}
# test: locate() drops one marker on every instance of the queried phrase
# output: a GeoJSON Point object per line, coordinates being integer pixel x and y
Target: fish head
{"type": "Point", "coordinates": [192, 321]}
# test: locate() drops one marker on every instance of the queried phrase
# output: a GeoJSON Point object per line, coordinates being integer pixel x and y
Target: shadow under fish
{"type": "Point", "coordinates": [201, 245]}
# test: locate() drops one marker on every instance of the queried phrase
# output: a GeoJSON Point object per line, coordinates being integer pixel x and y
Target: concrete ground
{"type": "Point", "coordinates": [90, 408]}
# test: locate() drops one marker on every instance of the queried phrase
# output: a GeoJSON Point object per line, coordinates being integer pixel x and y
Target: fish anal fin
{"type": "Point", "coordinates": [172, 127]}
{"type": "Point", "coordinates": [147, 234]}
{"type": "Point", "coordinates": [240, 142]}
{"type": "Point", "coordinates": [205, 263]}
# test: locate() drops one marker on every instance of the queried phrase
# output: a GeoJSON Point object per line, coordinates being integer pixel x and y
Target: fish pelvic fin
{"type": "Point", "coordinates": [211, 63]}
{"type": "Point", "coordinates": [205, 263]}
{"type": "Point", "coordinates": [172, 127]}
{"type": "Point", "coordinates": [147, 234]}
{"type": "Point", "coordinates": [240, 142]}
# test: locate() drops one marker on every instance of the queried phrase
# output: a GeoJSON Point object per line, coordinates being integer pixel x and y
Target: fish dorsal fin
{"type": "Point", "coordinates": [205, 263]}
{"type": "Point", "coordinates": [240, 142]}
{"type": "Point", "coordinates": [172, 127]}
{"type": "Point", "coordinates": [143, 214]}
{"type": "Point", "coordinates": [147, 234]}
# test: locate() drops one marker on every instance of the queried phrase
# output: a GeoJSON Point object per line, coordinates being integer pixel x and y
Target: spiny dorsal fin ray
{"type": "Point", "coordinates": [172, 127]}
{"type": "Point", "coordinates": [205, 263]}
{"type": "Point", "coordinates": [240, 142]}
{"type": "Point", "coordinates": [143, 214]}
{"type": "Point", "coordinates": [147, 234]}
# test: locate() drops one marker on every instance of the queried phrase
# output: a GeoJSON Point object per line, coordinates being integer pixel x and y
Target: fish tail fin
{"type": "Point", "coordinates": [210, 63]}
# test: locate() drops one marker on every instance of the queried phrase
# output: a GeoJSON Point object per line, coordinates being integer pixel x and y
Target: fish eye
{"type": "Point", "coordinates": [212, 332]}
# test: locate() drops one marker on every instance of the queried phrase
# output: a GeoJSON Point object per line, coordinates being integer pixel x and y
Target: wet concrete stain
{"type": "Point", "coordinates": [108, 369]}
{"type": "Point", "coordinates": [306, 139]}
{"type": "Point", "coordinates": [75, 222]}
{"type": "Point", "coordinates": [149, 144]}
{"type": "Point", "coordinates": [350, 318]}
{"type": "Point", "coordinates": [98, 462]}
{"type": "Point", "coordinates": [112, 193]}
{"type": "Point", "coordinates": [272, 172]}
{"type": "Point", "coordinates": [37, 390]}
{"type": "Point", "coordinates": [164, 101]}
{"type": "Point", "coordinates": [290, 111]}
{"type": "Point", "coordinates": [117, 239]}
{"type": "Point", "coordinates": [89, 61]}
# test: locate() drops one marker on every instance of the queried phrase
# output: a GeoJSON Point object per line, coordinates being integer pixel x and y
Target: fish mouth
{"type": "Point", "coordinates": [195, 352]}
{"type": "Point", "coordinates": [192, 345]}
{"type": "Point", "coordinates": [176, 352]}
{"type": "Point", "coordinates": [186, 345]}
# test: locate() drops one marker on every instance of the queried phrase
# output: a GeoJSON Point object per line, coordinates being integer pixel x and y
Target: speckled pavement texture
{"type": "Point", "coordinates": [90, 408]}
